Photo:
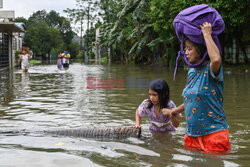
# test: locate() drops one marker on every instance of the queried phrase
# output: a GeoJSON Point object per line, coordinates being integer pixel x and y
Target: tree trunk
{"type": "Point", "coordinates": [237, 56]}
{"type": "Point", "coordinates": [126, 56]}
{"type": "Point", "coordinates": [222, 45]}
{"type": "Point", "coordinates": [81, 36]}
{"type": "Point", "coordinates": [110, 55]}
{"type": "Point", "coordinates": [246, 61]}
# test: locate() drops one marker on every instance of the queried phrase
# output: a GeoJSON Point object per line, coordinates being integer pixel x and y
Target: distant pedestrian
{"type": "Point", "coordinates": [65, 59]}
{"type": "Point", "coordinates": [25, 57]}
{"type": "Point", "coordinates": [59, 60]}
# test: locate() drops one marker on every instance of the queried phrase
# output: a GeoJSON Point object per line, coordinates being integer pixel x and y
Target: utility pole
{"type": "Point", "coordinates": [87, 32]}
{"type": "Point", "coordinates": [109, 47]}
{"type": "Point", "coordinates": [81, 35]}
{"type": "Point", "coordinates": [1, 4]}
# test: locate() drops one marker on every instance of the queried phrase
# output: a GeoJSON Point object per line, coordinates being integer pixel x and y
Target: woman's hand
{"type": "Point", "coordinates": [170, 112]}
{"type": "Point", "coordinates": [166, 112]}
{"type": "Point", "coordinates": [174, 112]}
{"type": "Point", "coordinates": [206, 29]}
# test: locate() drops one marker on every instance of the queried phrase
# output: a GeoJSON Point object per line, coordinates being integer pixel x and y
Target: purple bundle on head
{"type": "Point", "coordinates": [187, 23]}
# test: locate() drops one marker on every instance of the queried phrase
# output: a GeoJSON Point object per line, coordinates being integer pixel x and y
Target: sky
{"type": "Point", "coordinates": [25, 8]}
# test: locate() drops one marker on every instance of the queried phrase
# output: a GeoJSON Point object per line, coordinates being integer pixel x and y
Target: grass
{"type": "Point", "coordinates": [32, 62]}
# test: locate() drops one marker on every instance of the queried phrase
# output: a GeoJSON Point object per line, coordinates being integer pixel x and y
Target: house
{"type": "Point", "coordinates": [7, 36]}
{"type": "Point", "coordinates": [18, 37]}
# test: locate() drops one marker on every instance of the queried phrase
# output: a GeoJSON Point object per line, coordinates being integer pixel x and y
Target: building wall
{"type": "Point", "coordinates": [16, 45]}
{"type": "Point", "coordinates": [8, 46]}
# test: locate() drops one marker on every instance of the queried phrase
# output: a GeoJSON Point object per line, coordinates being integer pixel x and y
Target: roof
{"type": "Point", "coordinates": [20, 25]}
{"type": "Point", "coordinates": [9, 27]}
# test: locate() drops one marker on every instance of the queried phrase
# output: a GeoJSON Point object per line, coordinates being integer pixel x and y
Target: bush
{"type": "Point", "coordinates": [74, 49]}
{"type": "Point", "coordinates": [80, 55]}
{"type": "Point", "coordinates": [18, 52]}
{"type": "Point", "coordinates": [104, 59]}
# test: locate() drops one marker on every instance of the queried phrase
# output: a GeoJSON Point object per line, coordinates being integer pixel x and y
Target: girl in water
{"type": "Point", "coordinates": [157, 108]}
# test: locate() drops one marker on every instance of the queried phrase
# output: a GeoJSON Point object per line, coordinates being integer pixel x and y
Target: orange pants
{"type": "Point", "coordinates": [214, 142]}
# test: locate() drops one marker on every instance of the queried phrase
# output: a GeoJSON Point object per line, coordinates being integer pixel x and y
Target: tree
{"type": "Point", "coordinates": [234, 13]}
{"type": "Point", "coordinates": [77, 15]}
{"type": "Point", "coordinates": [85, 11]}
{"type": "Point", "coordinates": [89, 41]}
{"type": "Point", "coordinates": [47, 31]}
{"type": "Point", "coordinates": [131, 31]}
{"type": "Point", "coordinates": [38, 16]}
{"type": "Point", "coordinates": [21, 20]}
{"type": "Point", "coordinates": [74, 48]}
{"type": "Point", "coordinates": [236, 17]}
{"type": "Point", "coordinates": [53, 19]}
{"type": "Point", "coordinates": [161, 17]}
{"type": "Point", "coordinates": [138, 30]}
{"type": "Point", "coordinates": [42, 39]}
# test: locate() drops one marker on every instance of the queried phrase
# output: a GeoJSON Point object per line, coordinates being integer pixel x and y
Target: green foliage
{"type": "Point", "coordinates": [104, 59]}
{"type": "Point", "coordinates": [89, 41]}
{"type": "Point", "coordinates": [80, 55]}
{"type": "Point", "coordinates": [17, 53]}
{"type": "Point", "coordinates": [143, 28]}
{"type": "Point", "coordinates": [54, 53]}
{"type": "Point", "coordinates": [54, 20]}
{"type": "Point", "coordinates": [38, 16]}
{"type": "Point", "coordinates": [42, 39]}
{"type": "Point", "coordinates": [74, 48]}
{"type": "Point", "coordinates": [21, 20]}
{"type": "Point", "coordinates": [134, 30]}
{"type": "Point", "coordinates": [48, 32]}
{"type": "Point", "coordinates": [170, 56]}
{"type": "Point", "coordinates": [236, 16]}
{"type": "Point", "coordinates": [129, 30]}
{"type": "Point", "coordinates": [85, 11]}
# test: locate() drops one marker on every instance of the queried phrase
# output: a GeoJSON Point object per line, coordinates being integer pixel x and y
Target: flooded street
{"type": "Point", "coordinates": [47, 98]}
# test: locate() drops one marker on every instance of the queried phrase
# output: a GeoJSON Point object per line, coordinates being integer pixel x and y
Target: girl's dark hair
{"type": "Point", "coordinates": [161, 87]}
{"type": "Point", "coordinates": [200, 48]}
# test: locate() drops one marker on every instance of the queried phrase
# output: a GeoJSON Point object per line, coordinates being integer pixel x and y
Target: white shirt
{"type": "Point", "coordinates": [25, 61]}
{"type": "Point", "coordinates": [65, 60]}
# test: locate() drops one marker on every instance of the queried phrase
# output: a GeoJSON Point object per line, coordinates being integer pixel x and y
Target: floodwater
{"type": "Point", "coordinates": [47, 98]}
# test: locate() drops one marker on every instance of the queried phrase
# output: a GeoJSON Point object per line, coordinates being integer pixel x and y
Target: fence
{"type": "Point", "coordinates": [4, 50]}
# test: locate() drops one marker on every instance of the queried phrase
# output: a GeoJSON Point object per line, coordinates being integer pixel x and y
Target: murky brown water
{"type": "Point", "coordinates": [47, 98]}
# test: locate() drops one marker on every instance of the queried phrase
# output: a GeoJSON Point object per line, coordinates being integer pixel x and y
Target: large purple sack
{"type": "Point", "coordinates": [188, 22]}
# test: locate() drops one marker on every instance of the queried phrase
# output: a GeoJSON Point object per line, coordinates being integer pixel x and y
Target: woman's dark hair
{"type": "Point", "coordinates": [161, 87]}
{"type": "Point", "coordinates": [200, 48]}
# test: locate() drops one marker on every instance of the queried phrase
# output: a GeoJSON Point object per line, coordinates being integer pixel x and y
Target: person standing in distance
{"type": "Point", "coordinates": [25, 57]}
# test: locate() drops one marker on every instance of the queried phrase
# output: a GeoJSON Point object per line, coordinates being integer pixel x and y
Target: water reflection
{"type": "Point", "coordinates": [25, 81]}
{"type": "Point", "coordinates": [6, 87]}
